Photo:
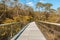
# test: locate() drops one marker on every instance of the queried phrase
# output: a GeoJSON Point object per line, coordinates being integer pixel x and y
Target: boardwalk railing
{"type": "Point", "coordinates": [11, 31]}
{"type": "Point", "coordinates": [7, 31]}
{"type": "Point", "coordinates": [50, 30]}
{"type": "Point", "coordinates": [57, 24]}
{"type": "Point", "coordinates": [19, 33]}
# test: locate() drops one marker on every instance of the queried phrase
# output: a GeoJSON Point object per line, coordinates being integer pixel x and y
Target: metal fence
{"type": "Point", "coordinates": [50, 30]}
{"type": "Point", "coordinates": [7, 31]}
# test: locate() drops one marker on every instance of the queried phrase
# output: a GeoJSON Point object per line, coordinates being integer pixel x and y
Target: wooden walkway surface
{"type": "Point", "coordinates": [32, 33]}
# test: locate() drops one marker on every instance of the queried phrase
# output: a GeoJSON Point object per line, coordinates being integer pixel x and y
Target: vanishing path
{"type": "Point", "coordinates": [31, 33]}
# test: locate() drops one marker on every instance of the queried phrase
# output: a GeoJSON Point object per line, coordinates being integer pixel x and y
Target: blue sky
{"type": "Point", "coordinates": [32, 3]}
{"type": "Point", "coordinates": [56, 3]}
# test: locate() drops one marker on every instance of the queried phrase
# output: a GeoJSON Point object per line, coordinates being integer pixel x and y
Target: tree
{"type": "Point", "coordinates": [39, 5]}
{"type": "Point", "coordinates": [19, 5]}
{"type": "Point", "coordinates": [48, 6]}
{"type": "Point", "coordinates": [47, 9]}
{"type": "Point", "coordinates": [52, 11]}
{"type": "Point", "coordinates": [5, 14]}
{"type": "Point", "coordinates": [58, 10]}
{"type": "Point", "coordinates": [16, 2]}
{"type": "Point", "coordinates": [5, 2]}
{"type": "Point", "coordinates": [16, 6]}
{"type": "Point", "coordinates": [30, 9]}
{"type": "Point", "coordinates": [26, 7]}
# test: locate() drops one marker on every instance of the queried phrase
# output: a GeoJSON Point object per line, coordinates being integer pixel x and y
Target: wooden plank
{"type": "Point", "coordinates": [32, 33]}
{"type": "Point", "coordinates": [57, 24]}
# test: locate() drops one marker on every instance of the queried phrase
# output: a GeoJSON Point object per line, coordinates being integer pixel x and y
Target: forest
{"type": "Point", "coordinates": [18, 12]}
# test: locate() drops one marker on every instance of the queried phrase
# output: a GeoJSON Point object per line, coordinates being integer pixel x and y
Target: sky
{"type": "Point", "coordinates": [32, 3]}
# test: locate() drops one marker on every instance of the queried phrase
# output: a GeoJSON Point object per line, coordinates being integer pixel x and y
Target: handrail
{"type": "Point", "coordinates": [9, 26]}
{"type": "Point", "coordinates": [56, 24]}
{"type": "Point", "coordinates": [19, 33]}
{"type": "Point", "coordinates": [9, 23]}
{"type": "Point", "coordinates": [51, 29]}
{"type": "Point", "coordinates": [54, 29]}
{"type": "Point", "coordinates": [50, 23]}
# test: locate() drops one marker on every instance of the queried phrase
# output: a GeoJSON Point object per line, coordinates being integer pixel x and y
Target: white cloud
{"type": "Point", "coordinates": [42, 1]}
{"type": "Point", "coordinates": [30, 3]}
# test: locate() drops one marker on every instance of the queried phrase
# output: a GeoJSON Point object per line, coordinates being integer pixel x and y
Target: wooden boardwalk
{"type": "Point", "coordinates": [32, 33]}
